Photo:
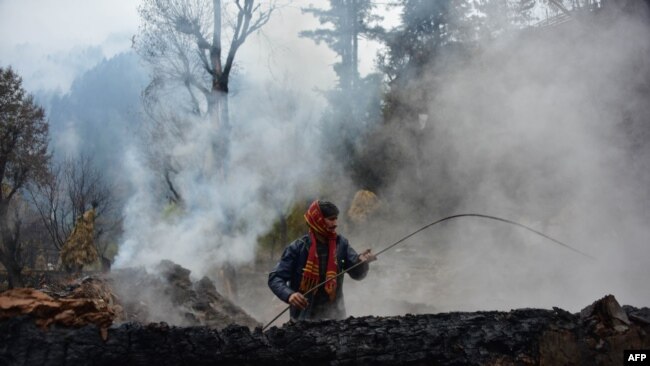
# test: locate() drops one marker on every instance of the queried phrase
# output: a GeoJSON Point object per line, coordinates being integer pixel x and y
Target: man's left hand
{"type": "Point", "coordinates": [367, 256]}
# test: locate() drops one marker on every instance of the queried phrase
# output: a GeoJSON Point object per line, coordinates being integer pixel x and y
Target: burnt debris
{"type": "Point", "coordinates": [172, 297]}
{"type": "Point", "coordinates": [131, 295]}
{"type": "Point", "coordinates": [596, 336]}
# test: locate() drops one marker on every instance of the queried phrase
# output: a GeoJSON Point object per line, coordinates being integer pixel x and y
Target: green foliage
{"type": "Point", "coordinates": [172, 211]}
{"type": "Point", "coordinates": [23, 135]}
{"type": "Point", "coordinates": [427, 27]}
{"type": "Point", "coordinates": [284, 230]}
{"type": "Point", "coordinates": [23, 160]}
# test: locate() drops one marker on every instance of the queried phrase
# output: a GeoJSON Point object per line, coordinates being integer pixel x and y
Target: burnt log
{"type": "Point", "coordinates": [596, 336]}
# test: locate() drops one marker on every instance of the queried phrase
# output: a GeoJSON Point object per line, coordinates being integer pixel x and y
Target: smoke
{"type": "Point", "coordinates": [228, 202]}
{"type": "Point", "coordinates": [224, 210]}
{"type": "Point", "coordinates": [535, 128]}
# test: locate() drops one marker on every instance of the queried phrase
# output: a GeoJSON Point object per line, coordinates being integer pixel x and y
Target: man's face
{"type": "Point", "coordinates": [331, 224]}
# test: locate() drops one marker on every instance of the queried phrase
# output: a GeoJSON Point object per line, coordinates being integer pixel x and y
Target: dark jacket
{"type": "Point", "coordinates": [285, 278]}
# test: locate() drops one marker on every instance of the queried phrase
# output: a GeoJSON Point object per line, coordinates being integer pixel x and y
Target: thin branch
{"type": "Point", "coordinates": [177, 197]}
{"type": "Point", "coordinates": [561, 7]}
{"type": "Point", "coordinates": [215, 50]}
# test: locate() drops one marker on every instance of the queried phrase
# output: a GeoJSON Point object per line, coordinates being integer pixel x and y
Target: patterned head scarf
{"type": "Point", "coordinates": [311, 273]}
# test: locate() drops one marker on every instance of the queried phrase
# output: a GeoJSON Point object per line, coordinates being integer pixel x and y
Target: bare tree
{"type": "Point", "coordinates": [191, 45]}
{"type": "Point", "coordinates": [75, 185]}
{"type": "Point", "coordinates": [23, 159]}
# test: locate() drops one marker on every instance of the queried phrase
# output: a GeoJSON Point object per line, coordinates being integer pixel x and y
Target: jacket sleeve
{"type": "Point", "coordinates": [281, 274]}
{"type": "Point", "coordinates": [352, 258]}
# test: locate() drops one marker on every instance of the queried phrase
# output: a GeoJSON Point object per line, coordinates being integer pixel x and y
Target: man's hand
{"type": "Point", "coordinates": [367, 256]}
{"type": "Point", "coordinates": [296, 299]}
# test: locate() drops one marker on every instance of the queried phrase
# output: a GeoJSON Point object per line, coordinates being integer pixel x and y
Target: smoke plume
{"type": "Point", "coordinates": [543, 127]}
{"type": "Point", "coordinates": [546, 128]}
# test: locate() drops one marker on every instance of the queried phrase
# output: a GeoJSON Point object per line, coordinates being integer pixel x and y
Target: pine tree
{"type": "Point", "coordinates": [355, 102]}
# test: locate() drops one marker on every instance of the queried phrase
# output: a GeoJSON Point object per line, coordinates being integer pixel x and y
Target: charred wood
{"type": "Point", "coordinates": [596, 336]}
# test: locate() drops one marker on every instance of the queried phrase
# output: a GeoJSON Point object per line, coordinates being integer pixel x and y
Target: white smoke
{"type": "Point", "coordinates": [223, 211]}
{"type": "Point", "coordinates": [273, 159]}
{"type": "Point", "coordinates": [528, 128]}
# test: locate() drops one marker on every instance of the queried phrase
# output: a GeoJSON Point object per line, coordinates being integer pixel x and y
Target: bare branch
{"type": "Point", "coordinates": [561, 7]}
{"type": "Point", "coordinates": [215, 50]}
{"type": "Point", "coordinates": [177, 198]}
{"type": "Point", "coordinates": [186, 44]}
{"type": "Point", "coordinates": [262, 19]}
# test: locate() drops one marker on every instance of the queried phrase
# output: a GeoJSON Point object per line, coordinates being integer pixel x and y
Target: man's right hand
{"type": "Point", "coordinates": [296, 299]}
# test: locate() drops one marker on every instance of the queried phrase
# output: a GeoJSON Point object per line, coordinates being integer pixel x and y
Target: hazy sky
{"type": "Point", "coordinates": [55, 25]}
{"type": "Point", "coordinates": [51, 42]}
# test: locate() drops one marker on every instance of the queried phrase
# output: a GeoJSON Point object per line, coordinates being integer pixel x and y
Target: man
{"type": "Point", "coordinates": [318, 256]}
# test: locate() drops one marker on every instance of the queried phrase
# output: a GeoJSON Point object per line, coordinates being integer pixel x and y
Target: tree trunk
{"type": "Point", "coordinates": [355, 45]}
{"type": "Point", "coordinates": [219, 115]}
{"type": "Point", "coordinates": [14, 274]}
{"type": "Point", "coordinates": [10, 250]}
{"type": "Point", "coordinates": [8, 258]}
{"type": "Point", "coordinates": [13, 268]}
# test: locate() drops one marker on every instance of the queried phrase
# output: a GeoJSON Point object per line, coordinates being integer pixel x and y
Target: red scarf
{"type": "Point", "coordinates": [311, 273]}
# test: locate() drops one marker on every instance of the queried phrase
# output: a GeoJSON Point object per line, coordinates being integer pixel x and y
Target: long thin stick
{"type": "Point", "coordinates": [424, 228]}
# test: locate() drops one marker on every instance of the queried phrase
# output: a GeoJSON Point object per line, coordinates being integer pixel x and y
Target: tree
{"type": "Point", "coordinates": [350, 20]}
{"type": "Point", "coordinates": [426, 28]}
{"type": "Point", "coordinates": [431, 31]}
{"type": "Point", "coordinates": [355, 102]}
{"type": "Point", "coordinates": [23, 160]}
{"type": "Point", "coordinates": [183, 41]}
{"type": "Point", "coordinates": [74, 185]}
